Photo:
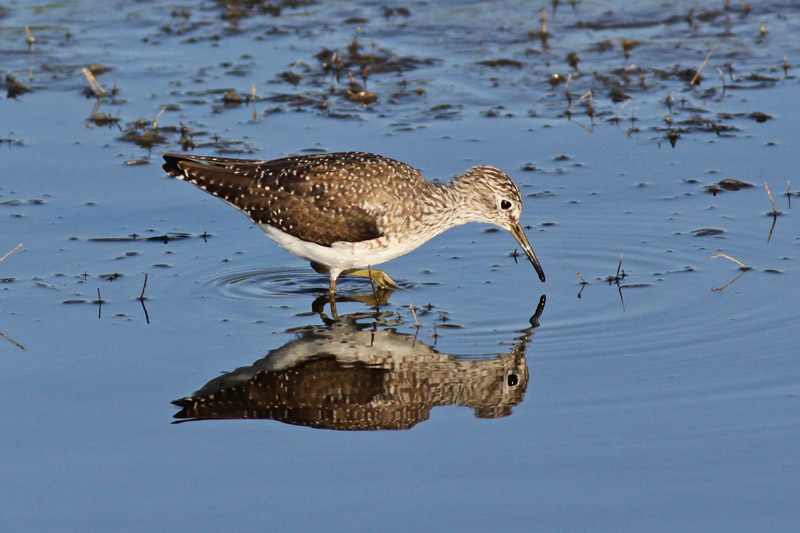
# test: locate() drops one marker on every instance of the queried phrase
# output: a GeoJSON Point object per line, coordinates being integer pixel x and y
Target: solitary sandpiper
{"type": "Point", "coordinates": [347, 212]}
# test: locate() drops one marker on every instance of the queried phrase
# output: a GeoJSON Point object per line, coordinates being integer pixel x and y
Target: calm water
{"type": "Point", "coordinates": [664, 400]}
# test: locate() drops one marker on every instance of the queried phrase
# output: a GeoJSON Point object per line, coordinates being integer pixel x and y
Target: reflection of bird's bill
{"type": "Point", "coordinates": [516, 231]}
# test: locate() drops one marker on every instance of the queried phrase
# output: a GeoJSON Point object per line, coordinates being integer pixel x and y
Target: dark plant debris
{"type": "Point", "coordinates": [164, 238]}
{"type": "Point", "coordinates": [499, 63]}
{"type": "Point", "coordinates": [727, 185]}
{"type": "Point", "coordinates": [15, 87]}
{"type": "Point", "coordinates": [707, 232]}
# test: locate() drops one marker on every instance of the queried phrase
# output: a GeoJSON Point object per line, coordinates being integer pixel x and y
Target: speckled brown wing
{"type": "Point", "coordinates": [319, 198]}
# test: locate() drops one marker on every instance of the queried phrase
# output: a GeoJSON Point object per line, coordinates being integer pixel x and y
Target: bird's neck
{"type": "Point", "coordinates": [459, 196]}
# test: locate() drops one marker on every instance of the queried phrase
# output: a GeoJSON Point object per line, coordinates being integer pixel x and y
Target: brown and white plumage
{"type": "Point", "coordinates": [353, 210]}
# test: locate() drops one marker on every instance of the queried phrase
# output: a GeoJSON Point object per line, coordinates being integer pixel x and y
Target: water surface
{"type": "Point", "coordinates": [664, 398]}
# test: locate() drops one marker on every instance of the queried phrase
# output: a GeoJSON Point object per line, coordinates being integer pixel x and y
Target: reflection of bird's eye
{"type": "Point", "coordinates": [505, 204]}
{"type": "Point", "coordinates": [512, 380]}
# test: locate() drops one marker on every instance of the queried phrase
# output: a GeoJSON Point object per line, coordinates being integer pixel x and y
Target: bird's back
{"type": "Point", "coordinates": [319, 198]}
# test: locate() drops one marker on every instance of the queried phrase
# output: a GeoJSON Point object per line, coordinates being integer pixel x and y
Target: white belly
{"type": "Point", "coordinates": [345, 255]}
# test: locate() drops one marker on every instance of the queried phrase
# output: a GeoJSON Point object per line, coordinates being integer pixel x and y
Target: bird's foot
{"type": "Point", "coordinates": [379, 277]}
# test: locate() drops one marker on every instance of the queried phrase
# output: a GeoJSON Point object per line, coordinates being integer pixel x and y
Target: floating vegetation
{"type": "Point", "coordinates": [103, 119]}
{"type": "Point", "coordinates": [146, 138]}
{"type": "Point", "coordinates": [500, 63]}
{"type": "Point", "coordinates": [15, 87]}
{"type": "Point", "coordinates": [232, 98]}
{"type": "Point", "coordinates": [707, 232]}
{"type": "Point", "coordinates": [623, 75]}
{"type": "Point", "coordinates": [727, 185]}
{"type": "Point", "coordinates": [734, 185]}
{"type": "Point", "coordinates": [11, 141]}
{"type": "Point", "coordinates": [165, 238]}
{"type": "Point", "coordinates": [758, 116]}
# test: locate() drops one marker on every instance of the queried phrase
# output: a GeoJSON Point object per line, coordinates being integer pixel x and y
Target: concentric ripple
{"type": "Point", "coordinates": [270, 282]}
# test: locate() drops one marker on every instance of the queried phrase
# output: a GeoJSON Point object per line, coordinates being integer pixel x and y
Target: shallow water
{"type": "Point", "coordinates": [665, 399]}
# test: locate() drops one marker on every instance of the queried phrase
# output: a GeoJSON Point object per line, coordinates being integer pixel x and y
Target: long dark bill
{"type": "Point", "coordinates": [516, 231]}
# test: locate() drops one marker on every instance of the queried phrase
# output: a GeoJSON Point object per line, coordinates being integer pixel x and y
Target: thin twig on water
{"type": "Point", "coordinates": [789, 192]}
{"type": "Point", "coordinates": [97, 89]}
{"type": "Point", "coordinates": [15, 343]}
{"type": "Point", "coordinates": [155, 122]}
{"type": "Point", "coordinates": [703, 64]}
{"type": "Point", "coordinates": [587, 94]}
{"type": "Point", "coordinates": [99, 303]}
{"type": "Point", "coordinates": [11, 252]}
{"type": "Point", "coordinates": [414, 313]}
{"type": "Point", "coordinates": [742, 266]}
{"type": "Point", "coordinates": [775, 211]}
{"type": "Point", "coordinates": [626, 102]}
{"type": "Point", "coordinates": [141, 296]}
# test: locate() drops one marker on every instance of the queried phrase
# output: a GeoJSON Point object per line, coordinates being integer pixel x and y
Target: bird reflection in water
{"type": "Point", "coordinates": [359, 373]}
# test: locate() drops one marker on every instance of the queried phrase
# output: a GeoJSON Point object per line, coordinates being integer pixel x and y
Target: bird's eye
{"type": "Point", "coordinates": [505, 205]}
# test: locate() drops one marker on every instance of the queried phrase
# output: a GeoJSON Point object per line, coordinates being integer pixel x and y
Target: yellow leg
{"type": "Point", "coordinates": [379, 277]}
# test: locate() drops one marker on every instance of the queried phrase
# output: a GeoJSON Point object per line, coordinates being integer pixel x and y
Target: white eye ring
{"type": "Point", "coordinates": [505, 204]}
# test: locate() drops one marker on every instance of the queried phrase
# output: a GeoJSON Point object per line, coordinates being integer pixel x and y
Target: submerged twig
{"type": "Point", "coordinates": [731, 282]}
{"type": "Point", "coordinates": [146, 314]}
{"type": "Point", "coordinates": [772, 228]}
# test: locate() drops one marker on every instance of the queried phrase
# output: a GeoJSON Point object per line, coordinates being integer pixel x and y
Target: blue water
{"type": "Point", "coordinates": [666, 401]}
